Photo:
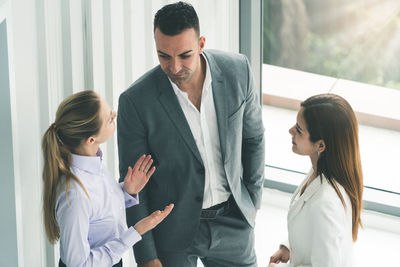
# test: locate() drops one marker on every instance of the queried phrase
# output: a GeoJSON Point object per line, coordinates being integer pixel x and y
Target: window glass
{"type": "Point", "coordinates": [354, 40]}
{"type": "Point", "coordinates": [350, 48]}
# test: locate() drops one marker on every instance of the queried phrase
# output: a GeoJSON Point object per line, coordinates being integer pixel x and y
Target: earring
{"type": "Point", "coordinates": [318, 152]}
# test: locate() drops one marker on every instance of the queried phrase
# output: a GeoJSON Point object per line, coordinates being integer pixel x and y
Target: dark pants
{"type": "Point", "coordinates": [224, 238]}
{"type": "Point", "coordinates": [61, 264]}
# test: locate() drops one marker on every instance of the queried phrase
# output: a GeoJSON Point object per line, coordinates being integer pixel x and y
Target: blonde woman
{"type": "Point", "coordinates": [83, 205]}
{"type": "Point", "coordinates": [324, 213]}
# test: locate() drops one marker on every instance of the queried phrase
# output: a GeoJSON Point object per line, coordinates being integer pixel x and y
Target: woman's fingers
{"type": "Point", "coordinates": [276, 258]}
{"type": "Point", "coordinates": [168, 209]}
{"type": "Point", "coordinates": [148, 165]}
{"type": "Point", "coordinates": [160, 215]}
{"type": "Point", "coordinates": [143, 165]}
{"type": "Point", "coordinates": [150, 173]}
{"type": "Point", "coordinates": [129, 173]}
{"type": "Point", "coordinates": [139, 163]}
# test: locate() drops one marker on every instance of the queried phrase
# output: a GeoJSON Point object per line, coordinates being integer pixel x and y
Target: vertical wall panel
{"type": "Point", "coordinates": [25, 116]}
{"type": "Point", "coordinates": [54, 53]}
{"type": "Point", "coordinates": [77, 29]}
{"type": "Point", "coordinates": [8, 229]}
{"type": "Point", "coordinates": [66, 47]}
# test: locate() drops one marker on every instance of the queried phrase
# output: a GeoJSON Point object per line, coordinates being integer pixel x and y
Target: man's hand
{"type": "Point", "coordinates": [137, 177]}
{"type": "Point", "coordinates": [282, 255]}
{"type": "Point", "coordinates": [152, 263]}
{"type": "Point", "coordinates": [151, 221]}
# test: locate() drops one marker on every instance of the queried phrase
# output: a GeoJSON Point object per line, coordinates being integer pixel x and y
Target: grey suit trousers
{"type": "Point", "coordinates": [227, 240]}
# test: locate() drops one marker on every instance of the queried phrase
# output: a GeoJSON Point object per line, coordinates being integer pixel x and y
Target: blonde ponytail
{"type": "Point", "coordinates": [77, 118]}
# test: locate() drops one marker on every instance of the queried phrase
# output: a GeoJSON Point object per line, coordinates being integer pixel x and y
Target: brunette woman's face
{"type": "Point", "coordinates": [301, 143]}
{"type": "Point", "coordinates": [107, 120]}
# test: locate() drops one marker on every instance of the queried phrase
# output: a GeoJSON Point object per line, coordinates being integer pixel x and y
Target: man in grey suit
{"type": "Point", "coordinates": [199, 116]}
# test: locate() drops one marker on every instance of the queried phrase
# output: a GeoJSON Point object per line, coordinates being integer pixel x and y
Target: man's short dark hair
{"type": "Point", "coordinates": [174, 18]}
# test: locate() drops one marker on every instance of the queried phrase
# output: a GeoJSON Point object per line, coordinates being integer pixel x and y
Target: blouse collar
{"type": "Point", "coordinates": [90, 164]}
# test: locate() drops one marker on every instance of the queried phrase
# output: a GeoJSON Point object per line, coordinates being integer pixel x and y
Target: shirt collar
{"type": "Point", "coordinates": [88, 163]}
{"type": "Point", "coordinates": [206, 84]}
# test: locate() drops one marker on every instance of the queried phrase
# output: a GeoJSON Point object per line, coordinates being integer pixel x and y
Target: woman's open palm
{"type": "Point", "coordinates": [139, 175]}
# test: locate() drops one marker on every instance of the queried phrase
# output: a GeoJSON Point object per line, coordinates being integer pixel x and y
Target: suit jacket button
{"type": "Point", "coordinates": [198, 199]}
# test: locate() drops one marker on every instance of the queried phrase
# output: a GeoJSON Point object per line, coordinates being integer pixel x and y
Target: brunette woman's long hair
{"type": "Point", "coordinates": [77, 119]}
{"type": "Point", "coordinates": [330, 117]}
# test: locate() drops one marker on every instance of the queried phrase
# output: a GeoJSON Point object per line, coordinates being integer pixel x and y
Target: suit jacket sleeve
{"type": "Point", "coordinates": [131, 145]}
{"type": "Point", "coordinates": [253, 150]}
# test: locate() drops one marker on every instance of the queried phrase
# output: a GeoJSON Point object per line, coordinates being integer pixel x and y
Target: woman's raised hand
{"type": "Point", "coordinates": [139, 175]}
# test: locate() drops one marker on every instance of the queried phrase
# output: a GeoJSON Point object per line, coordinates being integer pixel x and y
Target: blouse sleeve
{"type": "Point", "coordinates": [130, 200]}
{"type": "Point", "coordinates": [73, 217]}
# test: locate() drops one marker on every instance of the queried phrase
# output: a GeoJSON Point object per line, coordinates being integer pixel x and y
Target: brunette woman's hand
{"type": "Point", "coordinates": [151, 221]}
{"type": "Point", "coordinates": [282, 255]}
{"type": "Point", "coordinates": [139, 175]}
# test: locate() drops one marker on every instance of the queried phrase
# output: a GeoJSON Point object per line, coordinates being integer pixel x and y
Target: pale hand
{"type": "Point", "coordinates": [282, 255]}
{"type": "Point", "coordinates": [139, 175]}
{"type": "Point", "coordinates": [151, 221]}
{"type": "Point", "coordinates": [152, 263]}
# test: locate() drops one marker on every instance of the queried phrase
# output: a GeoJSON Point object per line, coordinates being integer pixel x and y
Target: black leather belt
{"type": "Point", "coordinates": [212, 212]}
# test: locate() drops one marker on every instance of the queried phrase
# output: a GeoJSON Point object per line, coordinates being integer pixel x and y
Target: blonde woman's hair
{"type": "Point", "coordinates": [77, 119]}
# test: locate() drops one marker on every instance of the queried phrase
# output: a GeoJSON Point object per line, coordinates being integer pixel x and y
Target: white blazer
{"type": "Point", "coordinates": [319, 227]}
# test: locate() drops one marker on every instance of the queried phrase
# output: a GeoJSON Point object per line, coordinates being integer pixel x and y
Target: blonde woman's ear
{"type": "Point", "coordinates": [90, 140]}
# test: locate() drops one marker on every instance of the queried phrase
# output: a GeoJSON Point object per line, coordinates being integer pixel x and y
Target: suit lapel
{"type": "Point", "coordinates": [220, 101]}
{"type": "Point", "coordinates": [169, 102]}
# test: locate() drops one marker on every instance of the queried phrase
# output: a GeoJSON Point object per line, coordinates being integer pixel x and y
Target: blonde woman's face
{"type": "Point", "coordinates": [107, 118]}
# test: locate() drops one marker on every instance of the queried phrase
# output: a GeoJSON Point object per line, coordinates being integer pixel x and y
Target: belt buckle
{"type": "Point", "coordinates": [208, 214]}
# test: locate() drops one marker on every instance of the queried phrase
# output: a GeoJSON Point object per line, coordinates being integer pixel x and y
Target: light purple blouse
{"type": "Point", "coordinates": [93, 232]}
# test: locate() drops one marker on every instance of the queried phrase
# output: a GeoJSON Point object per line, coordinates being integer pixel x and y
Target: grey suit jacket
{"type": "Point", "coordinates": [151, 121]}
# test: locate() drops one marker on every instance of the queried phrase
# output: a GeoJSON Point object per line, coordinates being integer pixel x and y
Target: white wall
{"type": "Point", "coordinates": [8, 230]}
{"type": "Point", "coordinates": [58, 47]}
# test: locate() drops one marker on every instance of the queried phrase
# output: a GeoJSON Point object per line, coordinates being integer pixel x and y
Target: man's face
{"type": "Point", "coordinates": [179, 55]}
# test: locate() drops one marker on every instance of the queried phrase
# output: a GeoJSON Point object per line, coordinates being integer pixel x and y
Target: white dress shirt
{"type": "Point", "coordinates": [93, 232]}
{"type": "Point", "coordinates": [204, 127]}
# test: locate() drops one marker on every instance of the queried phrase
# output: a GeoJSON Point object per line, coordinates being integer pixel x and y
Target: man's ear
{"type": "Point", "coordinates": [202, 42]}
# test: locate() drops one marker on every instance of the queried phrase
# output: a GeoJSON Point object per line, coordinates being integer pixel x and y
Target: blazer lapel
{"type": "Point", "coordinates": [297, 205]}
{"type": "Point", "coordinates": [169, 101]}
{"type": "Point", "coordinates": [220, 101]}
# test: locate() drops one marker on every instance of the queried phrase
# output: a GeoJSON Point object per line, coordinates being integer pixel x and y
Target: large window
{"type": "Point", "coordinates": [355, 40]}
{"type": "Point", "coordinates": [349, 48]}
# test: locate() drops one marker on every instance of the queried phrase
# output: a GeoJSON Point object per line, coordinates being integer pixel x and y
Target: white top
{"type": "Point", "coordinates": [204, 127]}
{"type": "Point", "coordinates": [319, 227]}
